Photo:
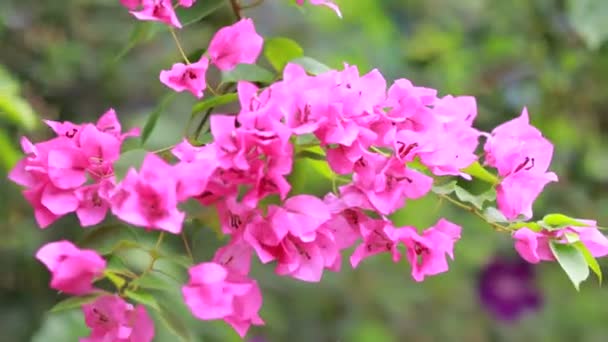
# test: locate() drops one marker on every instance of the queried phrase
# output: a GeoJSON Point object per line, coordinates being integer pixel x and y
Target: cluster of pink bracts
{"type": "Point", "coordinates": [369, 134]}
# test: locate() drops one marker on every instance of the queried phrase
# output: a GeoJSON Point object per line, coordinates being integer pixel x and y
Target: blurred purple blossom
{"type": "Point", "coordinates": [507, 288]}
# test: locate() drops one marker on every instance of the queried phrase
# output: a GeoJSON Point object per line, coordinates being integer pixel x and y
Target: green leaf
{"type": "Point", "coordinates": [494, 215]}
{"type": "Point", "coordinates": [476, 200]}
{"type": "Point", "coordinates": [104, 239]}
{"type": "Point", "coordinates": [530, 225]}
{"type": "Point", "coordinates": [556, 221]}
{"type": "Point", "coordinates": [18, 111]}
{"type": "Point", "coordinates": [9, 155]}
{"type": "Point", "coordinates": [590, 259]}
{"type": "Point", "coordinates": [479, 172]}
{"type": "Point", "coordinates": [445, 189]}
{"type": "Point", "coordinates": [127, 160]}
{"type": "Point", "coordinates": [588, 17]}
{"type": "Point", "coordinates": [311, 65]}
{"type": "Point", "coordinates": [118, 281]}
{"type": "Point", "coordinates": [214, 101]}
{"type": "Point", "coordinates": [153, 117]}
{"type": "Point", "coordinates": [199, 11]}
{"type": "Point", "coordinates": [311, 154]}
{"type": "Point", "coordinates": [153, 281]}
{"type": "Point", "coordinates": [144, 298]}
{"type": "Point", "coordinates": [247, 72]}
{"type": "Point", "coordinates": [174, 323]}
{"type": "Point", "coordinates": [280, 50]}
{"type": "Point", "coordinates": [572, 261]}
{"type": "Point", "coordinates": [75, 302]}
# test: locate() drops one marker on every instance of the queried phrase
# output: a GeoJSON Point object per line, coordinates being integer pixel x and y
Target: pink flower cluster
{"type": "Point", "coordinates": [72, 172]}
{"type": "Point", "coordinates": [385, 143]}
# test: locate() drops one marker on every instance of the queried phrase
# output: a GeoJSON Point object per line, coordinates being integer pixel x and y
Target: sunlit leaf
{"type": "Point", "coordinates": [572, 261]}
{"type": "Point", "coordinates": [479, 172]}
{"type": "Point", "coordinates": [556, 221]}
{"type": "Point", "coordinates": [280, 50]}
{"type": "Point", "coordinates": [590, 259]}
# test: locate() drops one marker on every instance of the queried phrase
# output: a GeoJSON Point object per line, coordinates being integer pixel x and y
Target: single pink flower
{"type": "Point", "coordinates": [235, 44]}
{"type": "Point", "coordinates": [112, 319]}
{"type": "Point", "coordinates": [517, 192]}
{"type": "Point", "coordinates": [190, 77]}
{"type": "Point", "coordinates": [427, 252]}
{"type": "Point", "coordinates": [73, 269]}
{"type": "Point", "coordinates": [148, 198]}
{"type": "Point", "coordinates": [214, 292]}
{"type": "Point", "coordinates": [158, 10]}
{"type": "Point", "coordinates": [131, 4]}
{"type": "Point", "coordinates": [186, 3]}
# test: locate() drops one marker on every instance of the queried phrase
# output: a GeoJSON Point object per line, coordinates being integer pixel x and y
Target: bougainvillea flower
{"type": "Point", "coordinates": [73, 269]}
{"type": "Point", "coordinates": [235, 44]}
{"type": "Point", "coordinates": [190, 77]}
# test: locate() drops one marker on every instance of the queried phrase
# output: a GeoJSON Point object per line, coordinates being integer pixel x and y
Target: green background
{"type": "Point", "coordinates": [71, 60]}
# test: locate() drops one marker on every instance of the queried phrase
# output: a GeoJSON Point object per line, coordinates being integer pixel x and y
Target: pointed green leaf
{"type": "Point", "coordinates": [144, 298]}
{"type": "Point", "coordinates": [479, 172]}
{"type": "Point", "coordinates": [280, 50]}
{"type": "Point", "coordinates": [153, 281]}
{"type": "Point", "coordinates": [445, 189]}
{"type": "Point", "coordinates": [590, 259]}
{"type": "Point", "coordinates": [476, 200]}
{"type": "Point", "coordinates": [174, 323]}
{"type": "Point", "coordinates": [214, 101]}
{"type": "Point", "coordinates": [311, 65]}
{"type": "Point", "coordinates": [75, 302]}
{"type": "Point", "coordinates": [494, 215]}
{"type": "Point", "coordinates": [127, 160]}
{"type": "Point", "coordinates": [311, 154]}
{"type": "Point", "coordinates": [572, 261]}
{"type": "Point", "coordinates": [248, 72]}
{"type": "Point", "coordinates": [116, 279]}
{"type": "Point", "coordinates": [153, 117]}
{"type": "Point", "coordinates": [556, 221]}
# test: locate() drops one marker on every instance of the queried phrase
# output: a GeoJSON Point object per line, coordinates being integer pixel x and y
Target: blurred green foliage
{"type": "Point", "coordinates": [71, 60]}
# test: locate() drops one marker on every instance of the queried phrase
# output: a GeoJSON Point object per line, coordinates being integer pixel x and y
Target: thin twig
{"type": "Point", "coordinates": [236, 9]}
{"type": "Point", "coordinates": [179, 45]}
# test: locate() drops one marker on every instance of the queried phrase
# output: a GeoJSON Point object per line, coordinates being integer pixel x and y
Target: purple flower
{"type": "Point", "coordinates": [507, 288]}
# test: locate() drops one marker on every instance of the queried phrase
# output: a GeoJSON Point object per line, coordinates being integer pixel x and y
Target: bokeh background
{"type": "Point", "coordinates": [71, 60]}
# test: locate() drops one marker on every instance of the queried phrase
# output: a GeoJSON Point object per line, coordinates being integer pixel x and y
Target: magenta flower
{"type": "Point", "coordinates": [427, 252]}
{"type": "Point", "coordinates": [158, 10]}
{"type": "Point", "coordinates": [112, 319]}
{"type": "Point", "coordinates": [73, 269]}
{"type": "Point", "coordinates": [189, 77]}
{"type": "Point", "coordinates": [522, 156]}
{"type": "Point", "coordinates": [131, 4]}
{"type": "Point", "coordinates": [149, 198]}
{"type": "Point", "coordinates": [235, 44]}
{"type": "Point", "coordinates": [186, 3]}
{"type": "Point", "coordinates": [213, 292]}
{"type": "Point", "coordinates": [534, 246]}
